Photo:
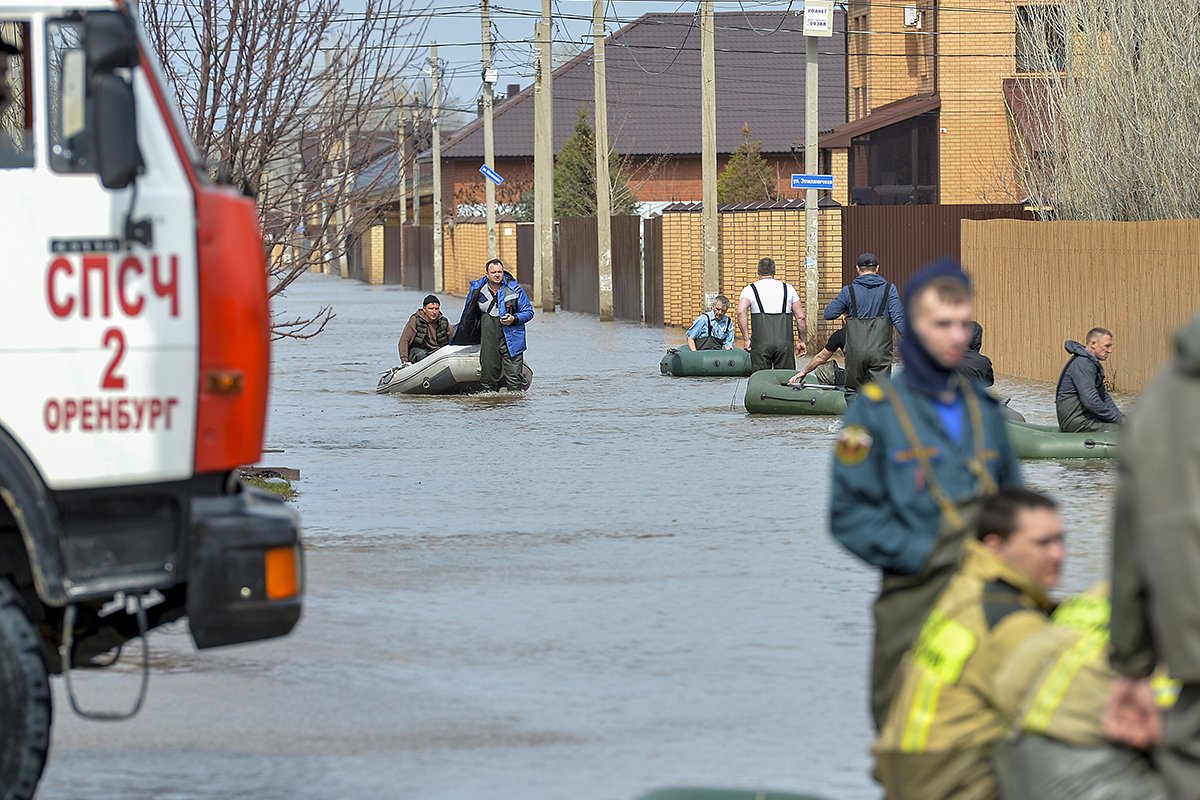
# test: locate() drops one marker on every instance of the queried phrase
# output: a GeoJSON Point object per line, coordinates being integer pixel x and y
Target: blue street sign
{"type": "Point", "coordinates": [812, 181]}
{"type": "Point", "coordinates": [495, 178]}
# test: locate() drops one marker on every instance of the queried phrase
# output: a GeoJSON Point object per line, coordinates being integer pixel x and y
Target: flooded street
{"type": "Point", "coordinates": [615, 582]}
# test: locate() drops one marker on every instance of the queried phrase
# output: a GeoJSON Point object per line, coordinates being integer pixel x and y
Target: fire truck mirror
{"type": "Point", "coordinates": [110, 42]}
{"type": "Point", "coordinates": [118, 157]}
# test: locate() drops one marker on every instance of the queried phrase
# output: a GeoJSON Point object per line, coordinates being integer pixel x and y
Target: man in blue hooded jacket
{"type": "Point", "coordinates": [873, 311]}
{"type": "Point", "coordinates": [494, 317]}
{"type": "Point", "coordinates": [913, 461]}
{"type": "Point", "coordinates": [1081, 399]}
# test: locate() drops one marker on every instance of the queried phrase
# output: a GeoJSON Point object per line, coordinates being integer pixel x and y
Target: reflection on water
{"type": "Point", "coordinates": [614, 582]}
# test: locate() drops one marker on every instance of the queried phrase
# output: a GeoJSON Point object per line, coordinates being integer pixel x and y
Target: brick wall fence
{"type": "Point", "coordinates": [746, 234]}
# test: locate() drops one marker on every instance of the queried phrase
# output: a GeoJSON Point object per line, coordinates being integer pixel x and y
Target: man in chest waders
{"type": "Point", "coordinates": [872, 308]}
{"type": "Point", "coordinates": [914, 458]}
{"type": "Point", "coordinates": [767, 308]}
{"type": "Point", "coordinates": [494, 317]}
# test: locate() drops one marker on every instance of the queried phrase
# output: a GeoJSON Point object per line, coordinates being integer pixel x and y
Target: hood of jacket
{"type": "Point", "coordinates": [1187, 347]}
{"type": "Point", "coordinates": [872, 280]}
{"type": "Point", "coordinates": [980, 562]}
{"type": "Point", "coordinates": [976, 343]}
{"type": "Point", "coordinates": [1076, 349]}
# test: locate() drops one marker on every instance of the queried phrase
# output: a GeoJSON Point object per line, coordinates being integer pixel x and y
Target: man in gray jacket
{"type": "Point", "coordinates": [1156, 570]}
{"type": "Point", "coordinates": [1082, 402]}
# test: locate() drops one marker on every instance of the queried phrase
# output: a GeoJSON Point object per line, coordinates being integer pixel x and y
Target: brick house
{"type": "Point", "coordinates": [653, 78]}
{"type": "Point", "coordinates": [926, 87]}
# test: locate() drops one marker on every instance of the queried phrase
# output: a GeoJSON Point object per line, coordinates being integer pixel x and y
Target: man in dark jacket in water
{"type": "Point", "coordinates": [1082, 401]}
{"type": "Point", "coordinates": [975, 365]}
{"type": "Point", "coordinates": [873, 311]}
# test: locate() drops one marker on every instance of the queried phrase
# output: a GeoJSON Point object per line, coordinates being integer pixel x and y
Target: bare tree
{"type": "Point", "coordinates": [1105, 118]}
{"type": "Point", "coordinates": [290, 100]}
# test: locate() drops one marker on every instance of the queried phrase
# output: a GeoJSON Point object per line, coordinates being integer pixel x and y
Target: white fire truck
{"type": "Point", "coordinates": [134, 352]}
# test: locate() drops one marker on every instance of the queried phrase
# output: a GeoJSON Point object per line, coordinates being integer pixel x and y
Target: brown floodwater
{"type": "Point", "coordinates": [615, 582]}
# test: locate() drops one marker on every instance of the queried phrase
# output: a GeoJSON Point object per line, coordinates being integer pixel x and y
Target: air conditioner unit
{"type": "Point", "coordinates": [913, 17]}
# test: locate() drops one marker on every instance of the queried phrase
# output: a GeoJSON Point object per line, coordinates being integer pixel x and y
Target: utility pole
{"type": "Point", "coordinates": [416, 176]}
{"type": "Point", "coordinates": [818, 23]}
{"type": "Point", "coordinates": [543, 167]}
{"type": "Point", "coordinates": [439, 274]}
{"type": "Point", "coordinates": [489, 144]}
{"type": "Point", "coordinates": [603, 187]}
{"type": "Point", "coordinates": [708, 152]}
{"type": "Point", "coordinates": [401, 161]}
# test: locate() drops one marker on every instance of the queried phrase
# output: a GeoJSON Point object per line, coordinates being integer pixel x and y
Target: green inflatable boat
{"type": "Point", "coordinates": [1047, 441]}
{"type": "Point", "coordinates": [684, 363]}
{"type": "Point", "coordinates": [768, 392]}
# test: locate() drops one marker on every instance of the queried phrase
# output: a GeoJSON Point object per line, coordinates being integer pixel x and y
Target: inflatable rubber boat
{"type": "Point", "coordinates": [768, 392]}
{"type": "Point", "coordinates": [684, 363]}
{"type": "Point", "coordinates": [453, 369]}
{"type": "Point", "coordinates": [1047, 441]}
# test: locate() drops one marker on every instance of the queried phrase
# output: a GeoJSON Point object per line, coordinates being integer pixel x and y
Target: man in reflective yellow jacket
{"type": "Point", "coordinates": [1052, 691]}
{"type": "Point", "coordinates": [943, 722]}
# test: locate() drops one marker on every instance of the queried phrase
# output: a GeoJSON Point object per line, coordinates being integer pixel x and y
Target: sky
{"type": "Point", "coordinates": [455, 25]}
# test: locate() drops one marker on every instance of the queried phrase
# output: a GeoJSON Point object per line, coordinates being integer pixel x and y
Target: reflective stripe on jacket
{"type": "Point", "coordinates": [945, 703]}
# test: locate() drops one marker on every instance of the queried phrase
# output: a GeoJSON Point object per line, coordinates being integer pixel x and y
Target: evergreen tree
{"type": "Point", "coordinates": [747, 177]}
{"type": "Point", "coordinates": [575, 176]}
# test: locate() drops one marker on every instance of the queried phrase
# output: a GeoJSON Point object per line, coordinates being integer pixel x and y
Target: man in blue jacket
{"type": "Point", "coordinates": [494, 317]}
{"type": "Point", "coordinates": [873, 311]}
{"type": "Point", "coordinates": [914, 459]}
{"type": "Point", "coordinates": [1082, 402]}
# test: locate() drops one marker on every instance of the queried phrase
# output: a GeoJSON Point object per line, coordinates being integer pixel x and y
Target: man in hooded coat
{"type": "Point", "coordinates": [914, 459]}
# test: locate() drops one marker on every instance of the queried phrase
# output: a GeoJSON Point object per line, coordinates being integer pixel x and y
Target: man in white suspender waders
{"type": "Point", "coordinates": [776, 342]}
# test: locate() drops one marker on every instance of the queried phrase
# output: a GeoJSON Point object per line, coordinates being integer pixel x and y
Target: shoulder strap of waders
{"type": "Point", "coordinates": [887, 295]}
{"type": "Point", "coordinates": [785, 297]}
{"type": "Point", "coordinates": [947, 506]}
{"type": "Point", "coordinates": [853, 301]}
{"type": "Point", "coordinates": [495, 299]}
{"type": "Point", "coordinates": [978, 464]}
{"type": "Point", "coordinates": [758, 299]}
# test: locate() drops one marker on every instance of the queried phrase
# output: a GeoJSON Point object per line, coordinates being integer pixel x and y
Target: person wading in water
{"type": "Point", "coordinates": [914, 459]}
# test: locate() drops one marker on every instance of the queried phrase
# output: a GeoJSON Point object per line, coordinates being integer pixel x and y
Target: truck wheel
{"type": "Point", "coordinates": [24, 700]}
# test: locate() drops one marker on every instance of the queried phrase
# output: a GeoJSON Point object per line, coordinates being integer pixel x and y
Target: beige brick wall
{"type": "Point", "coordinates": [464, 246]}
{"type": "Point", "coordinates": [745, 237]}
{"type": "Point", "coordinates": [886, 61]}
{"type": "Point", "coordinates": [977, 52]}
{"type": "Point", "coordinates": [372, 254]}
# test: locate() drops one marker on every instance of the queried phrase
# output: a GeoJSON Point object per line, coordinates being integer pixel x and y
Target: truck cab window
{"type": "Point", "coordinates": [16, 108]}
{"type": "Point", "coordinates": [70, 140]}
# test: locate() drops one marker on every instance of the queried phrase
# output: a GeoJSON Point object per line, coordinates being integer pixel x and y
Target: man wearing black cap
{"type": "Point", "coordinates": [913, 461]}
{"type": "Point", "coordinates": [11, 156]}
{"type": "Point", "coordinates": [872, 308]}
{"type": "Point", "coordinates": [426, 331]}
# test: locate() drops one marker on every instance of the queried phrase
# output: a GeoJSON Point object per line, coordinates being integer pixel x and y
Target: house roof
{"type": "Point", "coordinates": [882, 117]}
{"type": "Point", "coordinates": [653, 79]}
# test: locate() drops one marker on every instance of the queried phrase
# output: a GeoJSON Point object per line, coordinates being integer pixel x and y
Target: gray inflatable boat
{"type": "Point", "coordinates": [453, 369]}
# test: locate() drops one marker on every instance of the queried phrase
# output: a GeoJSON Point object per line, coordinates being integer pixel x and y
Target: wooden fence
{"type": "Point", "coordinates": [1041, 283]}
{"type": "Point", "coordinates": [652, 270]}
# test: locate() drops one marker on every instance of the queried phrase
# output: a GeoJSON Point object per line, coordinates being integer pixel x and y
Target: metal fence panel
{"type": "Point", "coordinates": [652, 271]}
{"type": "Point", "coordinates": [907, 238]}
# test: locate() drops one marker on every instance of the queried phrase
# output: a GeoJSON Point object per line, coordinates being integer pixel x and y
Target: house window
{"type": "Point", "coordinates": [1041, 38]}
{"type": "Point", "coordinates": [896, 165]}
